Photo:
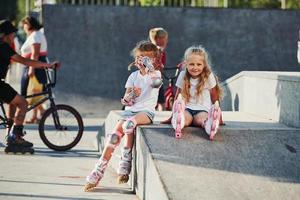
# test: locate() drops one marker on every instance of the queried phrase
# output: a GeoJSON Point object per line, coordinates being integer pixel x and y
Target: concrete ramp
{"type": "Point", "coordinates": [250, 158]}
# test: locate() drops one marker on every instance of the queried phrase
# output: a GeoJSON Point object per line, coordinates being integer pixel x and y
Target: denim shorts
{"type": "Point", "coordinates": [194, 112]}
{"type": "Point", "coordinates": [127, 114]}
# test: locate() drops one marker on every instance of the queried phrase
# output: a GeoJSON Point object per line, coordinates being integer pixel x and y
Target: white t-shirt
{"type": "Point", "coordinates": [203, 101]}
{"type": "Point", "coordinates": [36, 37]}
{"type": "Point", "coordinates": [148, 97]}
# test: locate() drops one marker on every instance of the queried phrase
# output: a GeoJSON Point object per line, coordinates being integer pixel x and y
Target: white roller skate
{"type": "Point", "coordinates": [96, 175]}
{"type": "Point", "coordinates": [178, 116]}
{"type": "Point", "coordinates": [212, 122]}
{"type": "Point", "coordinates": [124, 166]}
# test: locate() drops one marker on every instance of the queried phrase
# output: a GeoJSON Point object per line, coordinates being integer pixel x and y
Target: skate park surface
{"type": "Point", "coordinates": [254, 156]}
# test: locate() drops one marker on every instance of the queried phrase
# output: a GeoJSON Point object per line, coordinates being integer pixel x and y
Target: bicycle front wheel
{"type": "Point", "coordinates": [61, 127]}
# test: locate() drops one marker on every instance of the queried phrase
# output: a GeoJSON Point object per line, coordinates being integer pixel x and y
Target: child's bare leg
{"type": "Point", "coordinates": [199, 119]}
{"type": "Point", "coordinates": [112, 141]}
{"type": "Point", "coordinates": [188, 119]}
{"type": "Point", "coordinates": [128, 128]}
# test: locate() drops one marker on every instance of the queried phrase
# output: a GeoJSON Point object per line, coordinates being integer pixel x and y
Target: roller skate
{"type": "Point", "coordinates": [96, 175]}
{"type": "Point", "coordinates": [178, 116]}
{"type": "Point", "coordinates": [16, 142]}
{"type": "Point", "coordinates": [125, 166]}
{"type": "Point", "coordinates": [212, 122]}
{"type": "Point", "coordinates": [18, 149]}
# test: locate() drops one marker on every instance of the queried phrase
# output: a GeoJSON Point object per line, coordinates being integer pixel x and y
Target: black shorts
{"type": "Point", "coordinates": [161, 96]}
{"type": "Point", "coordinates": [7, 93]}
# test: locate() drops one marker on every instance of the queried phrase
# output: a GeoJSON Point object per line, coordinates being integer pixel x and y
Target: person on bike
{"type": "Point", "coordinates": [7, 93]}
{"type": "Point", "coordinates": [159, 37]}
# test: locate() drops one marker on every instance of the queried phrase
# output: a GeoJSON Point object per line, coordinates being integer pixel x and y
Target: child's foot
{"type": "Point", "coordinates": [124, 166]}
{"type": "Point", "coordinates": [95, 176]}
{"type": "Point", "coordinates": [178, 116]}
{"type": "Point", "coordinates": [212, 123]}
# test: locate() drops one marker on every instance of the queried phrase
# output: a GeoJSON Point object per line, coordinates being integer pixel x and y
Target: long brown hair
{"type": "Point", "coordinates": [32, 22]}
{"type": "Point", "coordinates": [202, 77]}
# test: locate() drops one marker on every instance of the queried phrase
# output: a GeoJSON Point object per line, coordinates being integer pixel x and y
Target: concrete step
{"type": "Point", "coordinates": [250, 158]}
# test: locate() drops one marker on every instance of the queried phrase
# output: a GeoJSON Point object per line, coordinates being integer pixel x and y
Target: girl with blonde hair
{"type": "Point", "coordinates": [199, 94]}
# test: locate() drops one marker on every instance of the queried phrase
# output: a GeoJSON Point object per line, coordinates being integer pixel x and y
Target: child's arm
{"type": "Point", "coordinates": [130, 94]}
{"type": "Point", "coordinates": [32, 63]}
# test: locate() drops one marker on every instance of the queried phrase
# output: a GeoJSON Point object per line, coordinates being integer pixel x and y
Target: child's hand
{"type": "Point", "coordinates": [137, 91]}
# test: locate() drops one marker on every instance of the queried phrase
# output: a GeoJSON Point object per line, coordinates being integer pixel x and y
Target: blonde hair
{"type": "Point", "coordinates": [202, 78]}
{"type": "Point", "coordinates": [158, 32]}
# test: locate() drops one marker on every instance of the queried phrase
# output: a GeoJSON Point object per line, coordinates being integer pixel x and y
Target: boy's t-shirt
{"type": "Point", "coordinates": [148, 97]}
{"type": "Point", "coordinates": [6, 52]}
{"type": "Point", "coordinates": [202, 102]}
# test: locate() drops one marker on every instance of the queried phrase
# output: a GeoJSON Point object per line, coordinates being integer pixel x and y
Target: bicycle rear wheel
{"type": "Point", "coordinates": [61, 127]}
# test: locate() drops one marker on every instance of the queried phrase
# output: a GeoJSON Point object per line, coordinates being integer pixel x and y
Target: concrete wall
{"type": "Point", "coordinates": [93, 42]}
{"type": "Point", "coordinates": [272, 95]}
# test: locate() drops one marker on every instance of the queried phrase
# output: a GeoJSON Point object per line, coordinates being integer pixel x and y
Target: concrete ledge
{"type": "Point", "coordinates": [272, 95]}
{"type": "Point", "coordinates": [108, 127]}
{"type": "Point", "coordinates": [250, 158]}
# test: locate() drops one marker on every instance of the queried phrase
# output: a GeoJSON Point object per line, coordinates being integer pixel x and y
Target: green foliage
{"type": "Point", "coordinates": [254, 3]}
{"type": "Point", "coordinates": [150, 2]}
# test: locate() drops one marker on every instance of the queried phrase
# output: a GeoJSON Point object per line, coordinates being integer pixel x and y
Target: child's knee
{"type": "Point", "coordinates": [129, 125]}
{"type": "Point", "coordinates": [114, 139]}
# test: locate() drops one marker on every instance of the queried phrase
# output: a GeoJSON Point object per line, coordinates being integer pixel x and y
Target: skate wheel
{"type": "Point", "coordinates": [178, 135]}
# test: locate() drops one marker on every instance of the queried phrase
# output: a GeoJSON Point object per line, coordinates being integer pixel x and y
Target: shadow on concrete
{"type": "Point", "coordinates": [43, 151]}
{"type": "Point", "coordinates": [259, 153]}
{"type": "Point", "coordinates": [236, 102]}
{"type": "Point", "coordinates": [112, 190]}
{"type": "Point", "coordinates": [226, 103]}
{"type": "Point", "coordinates": [32, 196]}
{"type": "Point", "coordinates": [40, 183]}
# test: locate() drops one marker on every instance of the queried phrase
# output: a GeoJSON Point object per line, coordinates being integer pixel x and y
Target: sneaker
{"type": "Point", "coordinates": [124, 166]}
{"type": "Point", "coordinates": [178, 116]}
{"type": "Point", "coordinates": [212, 122]}
{"type": "Point", "coordinates": [96, 175]}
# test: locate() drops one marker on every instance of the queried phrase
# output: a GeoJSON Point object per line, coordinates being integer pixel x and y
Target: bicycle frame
{"type": "Point", "coordinates": [49, 96]}
{"type": "Point", "coordinates": [4, 121]}
{"type": "Point", "coordinates": [169, 93]}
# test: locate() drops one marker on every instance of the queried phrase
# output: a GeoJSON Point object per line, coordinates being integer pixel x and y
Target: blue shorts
{"type": "Point", "coordinates": [127, 114]}
{"type": "Point", "coordinates": [194, 112]}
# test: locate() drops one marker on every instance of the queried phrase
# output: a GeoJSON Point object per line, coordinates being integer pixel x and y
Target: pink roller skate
{"type": "Point", "coordinates": [178, 116]}
{"type": "Point", "coordinates": [124, 166]}
{"type": "Point", "coordinates": [212, 122]}
{"type": "Point", "coordinates": [95, 176]}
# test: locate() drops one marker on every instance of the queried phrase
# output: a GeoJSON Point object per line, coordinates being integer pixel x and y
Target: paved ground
{"type": "Point", "coordinates": [57, 175]}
